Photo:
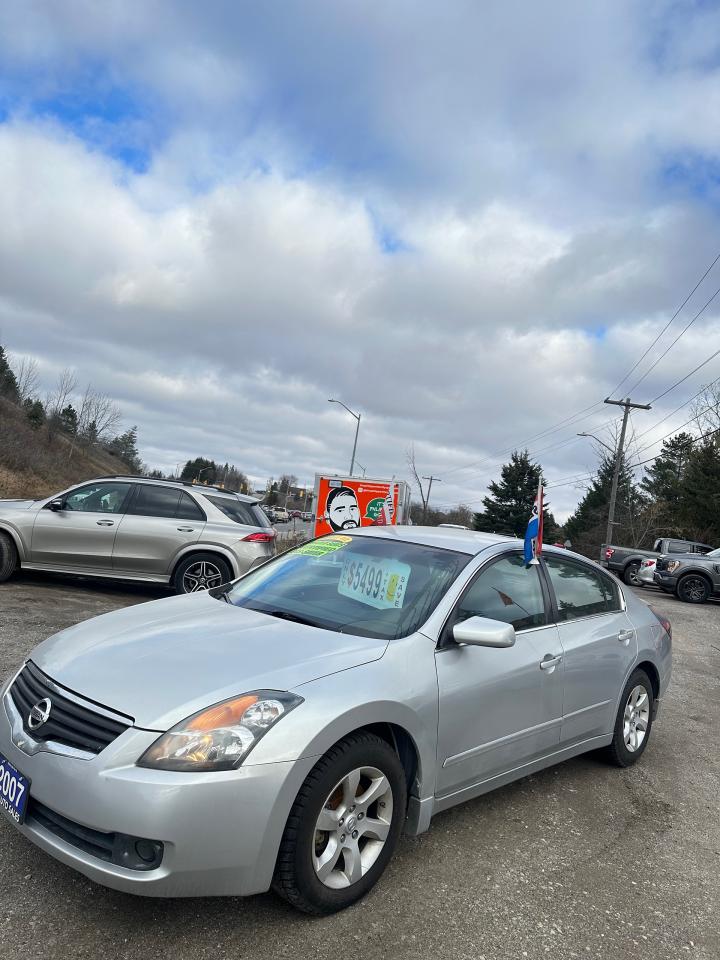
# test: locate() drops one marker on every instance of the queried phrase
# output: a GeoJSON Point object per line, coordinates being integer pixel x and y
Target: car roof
{"type": "Point", "coordinates": [450, 538]}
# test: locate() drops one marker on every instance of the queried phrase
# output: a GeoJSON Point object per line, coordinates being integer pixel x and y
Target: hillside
{"type": "Point", "coordinates": [34, 465]}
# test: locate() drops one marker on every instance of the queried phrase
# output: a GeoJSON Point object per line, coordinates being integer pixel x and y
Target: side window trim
{"type": "Point", "coordinates": [445, 638]}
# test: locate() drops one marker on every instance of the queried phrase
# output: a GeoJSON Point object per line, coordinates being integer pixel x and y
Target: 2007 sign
{"type": "Point", "coordinates": [14, 790]}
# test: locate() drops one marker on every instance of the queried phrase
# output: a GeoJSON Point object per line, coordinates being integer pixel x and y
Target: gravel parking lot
{"type": "Point", "coordinates": [583, 860]}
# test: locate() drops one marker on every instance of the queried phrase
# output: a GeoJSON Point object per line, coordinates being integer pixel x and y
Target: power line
{"type": "Point", "coordinates": [683, 379]}
{"type": "Point", "coordinates": [667, 325]}
{"type": "Point", "coordinates": [678, 337]}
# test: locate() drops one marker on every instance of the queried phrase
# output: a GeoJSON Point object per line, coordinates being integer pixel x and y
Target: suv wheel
{"type": "Point", "coordinates": [201, 571]}
{"type": "Point", "coordinates": [693, 588]}
{"type": "Point", "coordinates": [8, 556]}
{"type": "Point", "coordinates": [343, 827]}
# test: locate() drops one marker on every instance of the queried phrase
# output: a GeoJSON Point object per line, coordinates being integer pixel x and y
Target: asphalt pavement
{"type": "Point", "coordinates": [582, 860]}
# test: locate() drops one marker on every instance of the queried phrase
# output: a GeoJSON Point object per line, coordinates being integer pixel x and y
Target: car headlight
{"type": "Point", "coordinates": [221, 736]}
{"type": "Point", "coordinates": [672, 565]}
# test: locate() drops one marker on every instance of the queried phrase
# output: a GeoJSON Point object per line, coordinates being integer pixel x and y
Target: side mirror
{"type": "Point", "coordinates": [56, 505]}
{"type": "Point", "coordinates": [481, 632]}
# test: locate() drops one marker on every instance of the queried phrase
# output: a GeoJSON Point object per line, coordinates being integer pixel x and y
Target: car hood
{"type": "Point", "coordinates": [162, 661]}
{"type": "Point", "coordinates": [6, 505]}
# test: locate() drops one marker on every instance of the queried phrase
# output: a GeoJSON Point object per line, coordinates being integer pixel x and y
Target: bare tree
{"type": "Point", "coordinates": [98, 416]}
{"type": "Point", "coordinates": [28, 377]}
{"type": "Point", "coordinates": [706, 409]}
{"type": "Point", "coordinates": [60, 396]}
{"type": "Point", "coordinates": [410, 457]}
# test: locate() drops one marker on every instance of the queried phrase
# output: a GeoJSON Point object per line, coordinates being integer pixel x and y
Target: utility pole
{"type": "Point", "coordinates": [427, 498]}
{"type": "Point", "coordinates": [627, 406]}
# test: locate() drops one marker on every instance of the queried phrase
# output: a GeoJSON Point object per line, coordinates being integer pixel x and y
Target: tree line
{"type": "Point", "coordinates": [85, 418]}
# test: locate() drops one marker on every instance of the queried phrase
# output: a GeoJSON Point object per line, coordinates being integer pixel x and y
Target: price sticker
{"type": "Point", "coordinates": [376, 582]}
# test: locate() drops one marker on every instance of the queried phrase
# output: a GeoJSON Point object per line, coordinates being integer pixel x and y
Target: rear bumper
{"type": "Point", "coordinates": [220, 831]}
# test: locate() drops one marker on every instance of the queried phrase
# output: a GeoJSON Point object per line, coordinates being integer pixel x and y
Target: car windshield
{"type": "Point", "coordinates": [372, 587]}
{"type": "Point", "coordinates": [713, 555]}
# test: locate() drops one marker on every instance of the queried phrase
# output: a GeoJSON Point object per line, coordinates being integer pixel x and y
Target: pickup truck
{"type": "Point", "coordinates": [691, 576]}
{"type": "Point", "coordinates": [625, 561]}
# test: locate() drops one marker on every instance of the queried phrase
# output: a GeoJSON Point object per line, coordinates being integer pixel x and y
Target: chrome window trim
{"type": "Point", "coordinates": [598, 571]}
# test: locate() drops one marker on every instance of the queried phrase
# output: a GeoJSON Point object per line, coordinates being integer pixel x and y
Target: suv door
{"type": "Point", "coordinates": [159, 522]}
{"type": "Point", "coordinates": [599, 645]}
{"type": "Point", "coordinates": [83, 532]}
{"type": "Point", "coordinates": [498, 708]}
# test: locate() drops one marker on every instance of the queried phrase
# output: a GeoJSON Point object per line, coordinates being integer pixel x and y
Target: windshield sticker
{"type": "Point", "coordinates": [319, 548]}
{"type": "Point", "coordinates": [375, 582]}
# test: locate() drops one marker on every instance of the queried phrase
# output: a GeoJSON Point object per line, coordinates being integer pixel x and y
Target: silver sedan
{"type": "Point", "coordinates": [283, 730]}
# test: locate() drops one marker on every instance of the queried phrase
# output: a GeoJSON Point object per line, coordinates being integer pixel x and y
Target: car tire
{"type": "Point", "coordinates": [315, 867]}
{"type": "Point", "coordinates": [693, 588]}
{"type": "Point", "coordinates": [633, 722]}
{"type": "Point", "coordinates": [205, 569]}
{"type": "Point", "coordinates": [630, 574]}
{"type": "Point", "coordinates": [8, 557]}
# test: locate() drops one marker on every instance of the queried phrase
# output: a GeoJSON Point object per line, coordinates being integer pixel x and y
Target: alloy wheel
{"type": "Point", "coordinates": [636, 718]}
{"type": "Point", "coordinates": [694, 589]}
{"type": "Point", "coordinates": [352, 827]}
{"type": "Point", "coordinates": [201, 576]}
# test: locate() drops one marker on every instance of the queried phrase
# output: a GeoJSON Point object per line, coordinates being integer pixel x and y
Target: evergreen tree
{"type": "Point", "coordinates": [35, 412]}
{"type": "Point", "coordinates": [68, 420]}
{"type": "Point", "coordinates": [509, 507]}
{"type": "Point", "coordinates": [201, 469]}
{"type": "Point", "coordinates": [700, 494]}
{"type": "Point", "coordinates": [125, 447]}
{"type": "Point", "coordinates": [8, 382]}
{"type": "Point", "coordinates": [663, 480]}
{"type": "Point", "coordinates": [586, 528]}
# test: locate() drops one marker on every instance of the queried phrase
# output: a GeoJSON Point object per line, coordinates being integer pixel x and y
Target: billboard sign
{"type": "Point", "coordinates": [342, 503]}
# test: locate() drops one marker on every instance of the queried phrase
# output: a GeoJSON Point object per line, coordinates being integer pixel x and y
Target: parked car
{"type": "Point", "coordinates": [646, 573]}
{"type": "Point", "coordinates": [692, 577]}
{"type": "Point", "coordinates": [283, 730]}
{"type": "Point", "coordinates": [281, 515]}
{"type": "Point", "coordinates": [133, 528]}
{"type": "Point", "coordinates": [306, 515]}
{"type": "Point", "coordinates": [625, 561]}
{"type": "Point", "coordinates": [295, 515]}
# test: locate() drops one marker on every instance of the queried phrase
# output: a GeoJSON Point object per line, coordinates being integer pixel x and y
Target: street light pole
{"type": "Point", "coordinates": [598, 440]}
{"type": "Point", "coordinates": [357, 429]}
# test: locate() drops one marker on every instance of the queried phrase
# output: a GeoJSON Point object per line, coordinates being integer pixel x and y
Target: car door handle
{"type": "Point", "coordinates": [105, 523]}
{"type": "Point", "coordinates": [186, 529]}
{"type": "Point", "coordinates": [549, 662]}
{"type": "Point", "coordinates": [625, 636]}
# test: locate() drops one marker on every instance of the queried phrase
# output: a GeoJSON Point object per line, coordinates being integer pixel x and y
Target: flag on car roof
{"type": "Point", "coordinates": [534, 532]}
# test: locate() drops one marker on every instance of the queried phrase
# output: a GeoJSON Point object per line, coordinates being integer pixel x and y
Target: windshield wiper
{"type": "Point", "coordinates": [293, 617]}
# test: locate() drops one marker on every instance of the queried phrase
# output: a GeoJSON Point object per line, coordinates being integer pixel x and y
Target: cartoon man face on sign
{"type": "Point", "coordinates": [341, 509]}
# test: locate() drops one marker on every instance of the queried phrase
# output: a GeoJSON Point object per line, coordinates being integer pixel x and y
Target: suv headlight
{"type": "Point", "coordinates": [221, 736]}
{"type": "Point", "coordinates": [672, 565]}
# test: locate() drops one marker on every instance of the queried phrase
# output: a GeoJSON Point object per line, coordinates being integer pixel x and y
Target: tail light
{"type": "Point", "coordinates": [260, 537]}
{"type": "Point", "coordinates": [609, 552]}
{"type": "Point", "coordinates": [648, 563]}
{"type": "Point", "coordinates": [663, 621]}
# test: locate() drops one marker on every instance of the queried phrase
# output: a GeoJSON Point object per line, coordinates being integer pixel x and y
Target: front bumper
{"type": "Point", "coordinates": [664, 579]}
{"type": "Point", "coordinates": [220, 831]}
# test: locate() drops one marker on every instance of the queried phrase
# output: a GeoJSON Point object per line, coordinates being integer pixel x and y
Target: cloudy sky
{"type": "Point", "coordinates": [468, 221]}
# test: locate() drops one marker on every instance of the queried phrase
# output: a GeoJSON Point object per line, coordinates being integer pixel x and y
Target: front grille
{"type": "Point", "coordinates": [70, 723]}
{"type": "Point", "coordinates": [661, 563]}
{"type": "Point", "coordinates": [134, 853]}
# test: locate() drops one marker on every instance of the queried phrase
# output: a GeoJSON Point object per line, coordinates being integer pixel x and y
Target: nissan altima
{"type": "Point", "coordinates": [283, 730]}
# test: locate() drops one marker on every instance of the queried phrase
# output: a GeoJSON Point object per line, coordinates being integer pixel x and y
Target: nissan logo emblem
{"type": "Point", "coordinates": [39, 714]}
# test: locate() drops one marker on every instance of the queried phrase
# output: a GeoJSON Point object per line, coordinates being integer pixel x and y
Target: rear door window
{"type": "Point", "coordinates": [580, 590]}
{"type": "Point", "coordinates": [188, 509]}
{"type": "Point", "coordinates": [155, 501]}
{"type": "Point", "coordinates": [679, 546]}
